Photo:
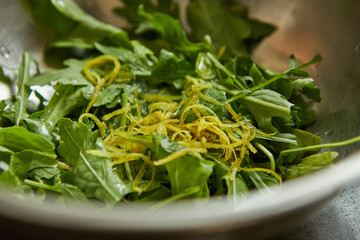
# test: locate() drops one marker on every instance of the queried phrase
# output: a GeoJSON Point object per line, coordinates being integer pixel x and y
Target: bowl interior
{"type": "Point", "coordinates": [329, 27]}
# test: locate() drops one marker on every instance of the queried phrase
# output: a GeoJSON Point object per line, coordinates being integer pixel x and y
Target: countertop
{"type": "Point", "coordinates": [338, 219]}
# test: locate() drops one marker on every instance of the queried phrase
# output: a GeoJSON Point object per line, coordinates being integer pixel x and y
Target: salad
{"type": "Point", "coordinates": [165, 116]}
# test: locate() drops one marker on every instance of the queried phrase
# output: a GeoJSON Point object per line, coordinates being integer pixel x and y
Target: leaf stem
{"type": "Point", "coordinates": [124, 103]}
{"type": "Point", "coordinates": [271, 80]}
{"type": "Point", "coordinates": [41, 185]}
{"type": "Point", "coordinates": [187, 192]}
{"type": "Point", "coordinates": [268, 154]}
{"type": "Point", "coordinates": [318, 146]}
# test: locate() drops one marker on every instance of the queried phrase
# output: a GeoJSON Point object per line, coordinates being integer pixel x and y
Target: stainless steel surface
{"type": "Point", "coordinates": [330, 27]}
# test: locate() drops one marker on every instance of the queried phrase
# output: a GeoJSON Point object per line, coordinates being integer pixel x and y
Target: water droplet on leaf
{"type": "Point", "coordinates": [329, 132]}
{"type": "Point", "coordinates": [4, 52]}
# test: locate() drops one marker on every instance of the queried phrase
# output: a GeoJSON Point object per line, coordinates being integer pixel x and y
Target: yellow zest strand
{"type": "Point", "coordinates": [178, 154]}
{"type": "Point", "coordinates": [234, 115]}
{"type": "Point", "coordinates": [122, 156]}
{"type": "Point", "coordinates": [99, 124]}
{"type": "Point", "coordinates": [64, 166]}
{"type": "Point", "coordinates": [221, 51]}
{"type": "Point", "coordinates": [159, 97]}
{"type": "Point", "coordinates": [96, 80]}
{"type": "Point", "coordinates": [198, 106]}
{"type": "Point", "coordinates": [265, 170]}
{"type": "Point", "coordinates": [138, 110]}
{"type": "Point", "coordinates": [94, 96]}
{"type": "Point", "coordinates": [139, 176]}
{"type": "Point", "coordinates": [101, 60]}
{"type": "Point", "coordinates": [163, 105]}
{"type": "Point", "coordinates": [210, 100]}
{"type": "Point", "coordinates": [117, 112]}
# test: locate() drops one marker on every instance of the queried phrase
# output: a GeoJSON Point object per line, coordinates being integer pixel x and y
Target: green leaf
{"type": "Point", "coordinates": [77, 28]}
{"type": "Point", "coordinates": [9, 180]}
{"type": "Point", "coordinates": [266, 104]}
{"type": "Point", "coordinates": [140, 60]}
{"type": "Point", "coordinates": [92, 174]}
{"type": "Point", "coordinates": [110, 94]}
{"type": "Point", "coordinates": [309, 165]}
{"type": "Point", "coordinates": [71, 75]}
{"type": "Point", "coordinates": [169, 29]}
{"type": "Point", "coordinates": [129, 10]}
{"type": "Point", "coordinates": [312, 92]}
{"type": "Point", "coordinates": [47, 15]}
{"type": "Point", "coordinates": [65, 99]}
{"type": "Point", "coordinates": [21, 98]}
{"type": "Point", "coordinates": [5, 154]}
{"type": "Point", "coordinates": [72, 192]}
{"type": "Point", "coordinates": [279, 137]}
{"type": "Point", "coordinates": [317, 58]}
{"type": "Point", "coordinates": [184, 172]}
{"type": "Point", "coordinates": [292, 63]}
{"type": "Point", "coordinates": [5, 79]}
{"type": "Point", "coordinates": [234, 186]}
{"type": "Point", "coordinates": [219, 96]}
{"type": "Point", "coordinates": [156, 195]}
{"type": "Point", "coordinates": [304, 139]}
{"type": "Point", "coordinates": [45, 172]}
{"type": "Point", "coordinates": [308, 88]}
{"type": "Point", "coordinates": [88, 28]}
{"type": "Point", "coordinates": [303, 81]}
{"type": "Point", "coordinates": [256, 74]}
{"type": "Point", "coordinates": [18, 139]}
{"type": "Point", "coordinates": [261, 180]}
{"type": "Point", "coordinates": [170, 68]}
{"type": "Point", "coordinates": [20, 164]}
{"type": "Point", "coordinates": [204, 67]}
{"type": "Point", "coordinates": [225, 27]}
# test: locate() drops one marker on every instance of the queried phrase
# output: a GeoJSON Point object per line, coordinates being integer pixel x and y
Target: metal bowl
{"type": "Point", "coordinates": [330, 27]}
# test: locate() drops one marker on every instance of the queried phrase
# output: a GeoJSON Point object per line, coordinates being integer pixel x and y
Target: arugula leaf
{"type": "Point", "coordinates": [292, 63]}
{"type": "Point", "coordinates": [170, 68]}
{"type": "Point", "coordinates": [47, 15]}
{"type": "Point", "coordinates": [303, 139]}
{"type": "Point", "coordinates": [309, 165]}
{"type": "Point", "coordinates": [129, 11]}
{"type": "Point", "coordinates": [219, 96]}
{"type": "Point", "coordinates": [5, 154]}
{"type": "Point", "coordinates": [9, 180]}
{"type": "Point", "coordinates": [71, 75]}
{"type": "Point", "coordinates": [261, 180]}
{"type": "Point", "coordinates": [79, 29]}
{"type": "Point", "coordinates": [111, 95]}
{"type": "Point", "coordinates": [28, 151]}
{"type": "Point", "coordinates": [18, 139]}
{"type": "Point", "coordinates": [204, 67]}
{"type": "Point", "coordinates": [92, 174]}
{"type": "Point", "coordinates": [72, 192]}
{"type": "Point", "coordinates": [156, 195]}
{"type": "Point", "coordinates": [169, 30]}
{"type": "Point", "coordinates": [266, 104]}
{"type": "Point", "coordinates": [234, 186]}
{"type": "Point", "coordinates": [226, 26]}
{"type": "Point", "coordinates": [20, 164]}
{"type": "Point", "coordinates": [65, 99]}
{"type": "Point", "coordinates": [21, 98]}
{"type": "Point", "coordinates": [140, 60]}
{"type": "Point", "coordinates": [45, 172]}
{"type": "Point", "coordinates": [5, 79]}
{"type": "Point", "coordinates": [184, 172]}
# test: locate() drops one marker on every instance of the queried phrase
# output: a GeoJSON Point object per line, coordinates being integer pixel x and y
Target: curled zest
{"type": "Point", "coordinates": [98, 81]}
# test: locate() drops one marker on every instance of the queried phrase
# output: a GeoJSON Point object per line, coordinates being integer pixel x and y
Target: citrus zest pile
{"type": "Point", "coordinates": [205, 134]}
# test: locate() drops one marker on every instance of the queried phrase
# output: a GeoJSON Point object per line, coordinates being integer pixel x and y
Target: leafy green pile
{"type": "Point", "coordinates": [134, 134]}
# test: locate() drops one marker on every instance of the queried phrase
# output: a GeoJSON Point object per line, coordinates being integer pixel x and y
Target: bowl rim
{"type": "Point", "coordinates": [189, 215]}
